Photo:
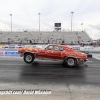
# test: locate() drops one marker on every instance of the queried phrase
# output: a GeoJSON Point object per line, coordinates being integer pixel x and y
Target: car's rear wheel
{"type": "Point", "coordinates": [70, 62]}
{"type": "Point", "coordinates": [28, 58]}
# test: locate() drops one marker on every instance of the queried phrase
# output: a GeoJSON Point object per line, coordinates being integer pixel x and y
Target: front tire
{"type": "Point", "coordinates": [28, 58]}
{"type": "Point", "coordinates": [70, 62]}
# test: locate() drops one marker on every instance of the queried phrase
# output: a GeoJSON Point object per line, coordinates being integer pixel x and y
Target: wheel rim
{"type": "Point", "coordinates": [70, 62]}
{"type": "Point", "coordinates": [28, 58]}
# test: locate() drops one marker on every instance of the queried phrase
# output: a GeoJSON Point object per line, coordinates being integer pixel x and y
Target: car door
{"type": "Point", "coordinates": [49, 52]}
{"type": "Point", "coordinates": [41, 53]}
{"type": "Point", "coordinates": [57, 52]}
{"type": "Point", "coordinates": [54, 52]}
{"type": "Point", "coordinates": [45, 53]}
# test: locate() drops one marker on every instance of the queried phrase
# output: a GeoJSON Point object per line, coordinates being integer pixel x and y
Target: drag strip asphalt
{"type": "Point", "coordinates": [79, 83]}
{"type": "Point", "coordinates": [14, 69]}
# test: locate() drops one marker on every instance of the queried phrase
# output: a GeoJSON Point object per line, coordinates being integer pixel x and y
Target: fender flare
{"type": "Point", "coordinates": [70, 57]}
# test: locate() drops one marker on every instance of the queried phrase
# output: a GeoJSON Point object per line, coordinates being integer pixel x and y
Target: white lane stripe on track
{"type": "Point", "coordinates": [96, 56]}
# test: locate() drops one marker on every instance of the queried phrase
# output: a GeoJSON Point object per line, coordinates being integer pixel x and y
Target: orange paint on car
{"type": "Point", "coordinates": [51, 54]}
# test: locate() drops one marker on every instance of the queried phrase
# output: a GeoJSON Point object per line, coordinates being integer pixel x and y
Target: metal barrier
{"type": "Point", "coordinates": [9, 53]}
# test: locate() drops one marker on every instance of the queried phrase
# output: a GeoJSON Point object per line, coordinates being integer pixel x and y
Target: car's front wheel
{"type": "Point", "coordinates": [28, 58]}
{"type": "Point", "coordinates": [70, 62]}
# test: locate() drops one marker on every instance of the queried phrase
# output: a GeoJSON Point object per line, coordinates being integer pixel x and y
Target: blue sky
{"type": "Point", "coordinates": [25, 15]}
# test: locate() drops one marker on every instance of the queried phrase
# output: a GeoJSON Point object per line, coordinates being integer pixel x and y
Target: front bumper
{"type": "Point", "coordinates": [81, 60]}
{"type": "Point", "coordinates": [86, 60]}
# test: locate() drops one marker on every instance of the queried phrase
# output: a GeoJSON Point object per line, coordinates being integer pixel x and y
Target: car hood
{"type": "Point", "coordinates": [81, 54]}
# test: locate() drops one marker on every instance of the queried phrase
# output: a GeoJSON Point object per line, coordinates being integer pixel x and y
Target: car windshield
{"type": "Point", "coordinates": [45, 47]}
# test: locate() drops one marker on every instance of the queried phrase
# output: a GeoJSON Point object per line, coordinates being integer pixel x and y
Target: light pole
{"type": "Point", "coordinates": [71, 20]}
{"type": "Point", "coordinates": [39, 21]}
{"type": "Point", "coordinates": [11, 22]}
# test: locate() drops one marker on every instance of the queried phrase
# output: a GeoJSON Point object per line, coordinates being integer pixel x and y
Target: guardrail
{"type": "Point", "coordinates": [12, 50]}
{"type": "Point", "coordinates": [1, 53]}
{"type": "Point", "coordinates": [74, 47]}
{"type": "Point", "coordinates": [9, 53]}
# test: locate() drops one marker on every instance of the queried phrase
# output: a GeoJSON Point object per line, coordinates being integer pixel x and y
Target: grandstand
{"type": "Point", "coordinates": [44, 37]}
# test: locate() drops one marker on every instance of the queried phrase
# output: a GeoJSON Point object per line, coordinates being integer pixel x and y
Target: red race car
{"type": "Point", "coordinates": [54, 52]}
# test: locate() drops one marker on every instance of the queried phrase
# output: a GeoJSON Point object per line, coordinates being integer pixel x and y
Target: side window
{"type": "Point", "coordinates": [49, 47]}
{"type": "Point", "coordinates": [61, 49]}
{"type": "Point", "coordinates": [56, 48]}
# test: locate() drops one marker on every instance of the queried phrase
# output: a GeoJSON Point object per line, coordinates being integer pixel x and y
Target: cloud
{"type": "Point", "coordinates": [25, 14]}
{"type": "Point", "coordinates": [95, 26]}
